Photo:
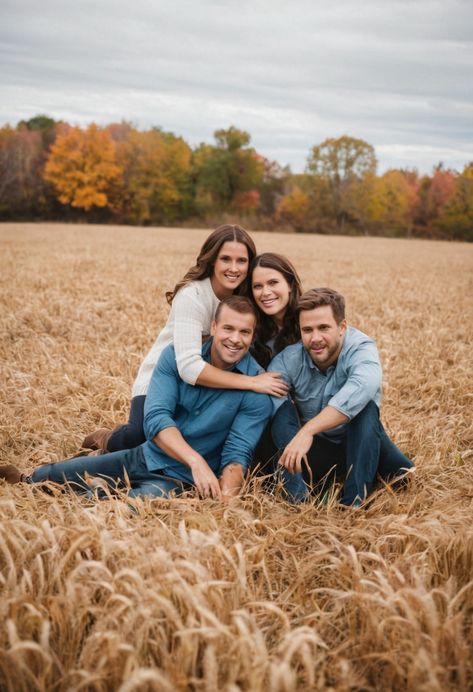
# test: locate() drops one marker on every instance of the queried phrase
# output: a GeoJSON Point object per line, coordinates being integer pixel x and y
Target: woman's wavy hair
{"type": "Point", "coordinates": [267, 328]}
{"type": "Point", "coordinates": [208, 254]}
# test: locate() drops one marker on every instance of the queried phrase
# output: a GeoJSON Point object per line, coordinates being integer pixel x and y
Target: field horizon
{"type": "Point", "coordinates": [256, 594]}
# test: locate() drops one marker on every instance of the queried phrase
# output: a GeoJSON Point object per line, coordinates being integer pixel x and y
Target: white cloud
{"type": "Point", "coordinates": [395, 73]}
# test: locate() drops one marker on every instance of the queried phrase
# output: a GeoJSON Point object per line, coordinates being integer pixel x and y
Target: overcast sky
{"type": "Point", "coordinates": [397, 73]}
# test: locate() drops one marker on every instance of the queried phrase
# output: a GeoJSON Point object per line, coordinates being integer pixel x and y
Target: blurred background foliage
{"type": "Point", "coordinates": [50, 170]}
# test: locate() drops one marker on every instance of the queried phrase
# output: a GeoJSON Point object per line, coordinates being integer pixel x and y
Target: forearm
{"type": "Point", "coordinates": [265, 383]}
{"type": "Point", "coordinates": [211, 376]}
{"type": "Point", "coordinates": [231, 480]}
{"type": "Point", "coordinates": [174, 445]}
{"type": "Point", "coordinates": [327, 419]}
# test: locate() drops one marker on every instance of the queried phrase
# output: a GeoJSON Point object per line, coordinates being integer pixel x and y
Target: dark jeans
{"type": "Point", "coordinates": [365, 451]}
{"type": "Point", "coordinates": [131, 434]}
{"type": "Point", "coordinates": [265, 456]}
{"type": "Point", "coordinates": [113, 467]}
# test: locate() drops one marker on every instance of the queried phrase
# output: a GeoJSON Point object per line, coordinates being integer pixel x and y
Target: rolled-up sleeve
{"type": "Point", "coordinates": [247, 428]}
{"type": "Point", "coordinates": [362, 384]}
{"type": "Point", "coordinates": [190, 322]}
{"type": "Point", "coordinates": [161, 400]}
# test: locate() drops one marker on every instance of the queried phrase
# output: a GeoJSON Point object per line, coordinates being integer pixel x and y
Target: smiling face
{"type": "Point", "coordinates": [232, 336]}
{"type": "Point", "coordinates": [271, 292]}
{"type": "Point", "coordinates": [321, 335]}
{"type": "Point", "coordinates": [230, 268]}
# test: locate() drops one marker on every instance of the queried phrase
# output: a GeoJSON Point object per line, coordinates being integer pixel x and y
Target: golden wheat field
{"type": "Point", "coordinates": [256, 594]}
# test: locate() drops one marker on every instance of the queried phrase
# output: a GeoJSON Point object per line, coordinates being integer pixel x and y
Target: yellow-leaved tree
{"type": "Point", "coordinates": [82, 167]}
{"type": "Point", "coordinates": [156, 185]}
{"type": "Point", "coordinates": [294, 209]}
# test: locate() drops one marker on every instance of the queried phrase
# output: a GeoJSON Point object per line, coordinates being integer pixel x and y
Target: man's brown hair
{"type": "Point", "coordinates": [317, 297]}
{"type": "Point", "coordinates": [240, 304]}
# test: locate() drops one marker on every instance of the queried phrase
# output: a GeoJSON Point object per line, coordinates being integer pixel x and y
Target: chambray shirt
{"type": "Point", "coordinates": [223, 425]}
{"type": "Point", "coordinates": [347, 385]}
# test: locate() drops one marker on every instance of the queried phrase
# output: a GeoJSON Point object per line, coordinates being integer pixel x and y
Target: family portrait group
{"type": "Point", "coordinates": [251, 374]}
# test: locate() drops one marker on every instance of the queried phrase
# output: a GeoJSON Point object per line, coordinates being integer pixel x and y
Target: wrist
{"type": "Point", "coordinates": [310, 428]}
{"type": "Point", "coordinates": [195, 460]}
{"type": "Point", "coordinates": [247, 382]}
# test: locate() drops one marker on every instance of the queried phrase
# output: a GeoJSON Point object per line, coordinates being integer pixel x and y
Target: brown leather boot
{"type": "Point", "coordinates": [97, 440]}
{"type": "Point", "coordinates": [11, 474]}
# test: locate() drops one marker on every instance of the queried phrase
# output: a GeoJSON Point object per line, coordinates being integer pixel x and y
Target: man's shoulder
{"type": "Point", "coordinates": [357, 339]}
{"type": "Point", "coordinates": [255, 402]}
{"type": "Point", "coordinates": [167, 359]}
{"type": "Point", "coordinates": [292, 356]}
{"type": "Point", "coordinates": [357, 343]}
{"type": "Point", "coordinates": [249, 366]}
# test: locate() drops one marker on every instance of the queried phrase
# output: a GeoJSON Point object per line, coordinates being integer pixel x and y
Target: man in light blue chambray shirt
{"type": "Point", "coordinates": [196, 436]}
{"type": "Point", "coordinates": [335, 377]}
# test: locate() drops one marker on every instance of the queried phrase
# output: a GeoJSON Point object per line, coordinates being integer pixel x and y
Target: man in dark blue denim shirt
{"type": "Point", "coordinates": [334, 376]}
{"type": "Point", "coordinates": [196, 436]}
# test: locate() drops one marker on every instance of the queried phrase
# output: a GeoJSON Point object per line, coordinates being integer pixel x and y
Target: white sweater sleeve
{"type": "Point", "coordinates": [193, 314]}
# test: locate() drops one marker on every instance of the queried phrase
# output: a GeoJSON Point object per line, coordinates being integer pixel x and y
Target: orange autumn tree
{"type": "Point", "coordinates": [156, 182]}
{"type": "Point", "coordinates": [82, 167]}
{"type": "Point", "coordinates": [294, 209]}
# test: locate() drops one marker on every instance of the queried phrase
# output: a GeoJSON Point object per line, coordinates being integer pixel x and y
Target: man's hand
{"type": "Point", "coordinates": [296, 451]}
{"type": "Point", "coordinates": [204, 478]}
{"type": "Point", "coordinates": [269, 383]}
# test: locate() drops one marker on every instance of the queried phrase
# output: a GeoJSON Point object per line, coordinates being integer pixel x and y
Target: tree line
{"type": "Point", "coordinates": [119, 174]}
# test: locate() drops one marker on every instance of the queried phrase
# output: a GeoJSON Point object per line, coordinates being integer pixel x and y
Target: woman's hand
{"type": "Point", "coordinates": [269, 383]}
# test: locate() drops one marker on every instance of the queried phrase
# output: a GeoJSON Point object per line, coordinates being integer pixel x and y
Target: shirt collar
{"type": "Point", "coordinates": [246, 366]}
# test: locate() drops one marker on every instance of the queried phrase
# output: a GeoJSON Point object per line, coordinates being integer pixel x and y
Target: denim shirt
{"type": "Point", "coordinates": [347, 385]}
{"type": "Point", "coordinates": [223, 425]}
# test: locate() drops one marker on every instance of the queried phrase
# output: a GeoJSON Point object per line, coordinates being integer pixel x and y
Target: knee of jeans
{"type": "Point", "coordinates": [372, 409]}
{"type": "Point", "coordinates": [368, 416]}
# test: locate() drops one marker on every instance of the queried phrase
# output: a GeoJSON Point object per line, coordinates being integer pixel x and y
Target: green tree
{"type": "Point", "coordinates": [346, 168]}
{"type": "Point", "coordinates": [226, 172]}
{"type": "Point", "coordinates": [45, 125]}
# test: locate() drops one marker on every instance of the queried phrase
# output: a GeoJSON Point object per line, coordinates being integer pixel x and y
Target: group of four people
{"type": "Point", "coordinates": [203, 409]}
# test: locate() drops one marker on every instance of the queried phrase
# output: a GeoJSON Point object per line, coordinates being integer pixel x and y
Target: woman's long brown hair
{"type": "Point", "coordinates": [208, 254]}
{"type": "Point", "coordinates": [267, 328]}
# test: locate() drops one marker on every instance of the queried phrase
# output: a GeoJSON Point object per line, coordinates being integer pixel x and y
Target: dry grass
{"type": "Point", "coordinates": [189, 595]}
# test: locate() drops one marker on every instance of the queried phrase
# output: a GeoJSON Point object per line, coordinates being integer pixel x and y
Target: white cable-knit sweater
{"type": "Point", "coordinates": [192, 312]}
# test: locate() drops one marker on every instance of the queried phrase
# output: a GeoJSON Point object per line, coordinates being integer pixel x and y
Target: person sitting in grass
{"type": "Point", "coordinates": [220, 270]}
{"type": "Point", "coordinates": [197, 437]}
{"type": "Point", "coordinates": [334, 375]}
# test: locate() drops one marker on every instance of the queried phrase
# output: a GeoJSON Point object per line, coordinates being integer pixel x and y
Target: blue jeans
{"type": "Point", "coordinates": [114, 468]}
{"type": "Point", "coordinates": [365, 451]}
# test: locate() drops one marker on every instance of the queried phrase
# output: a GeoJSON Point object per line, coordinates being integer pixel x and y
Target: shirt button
{"type": "Point", "coordinates": [197, 412]}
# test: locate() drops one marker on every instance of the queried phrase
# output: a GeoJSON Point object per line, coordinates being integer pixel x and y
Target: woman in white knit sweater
{"type": "Point", "coordinates": [220, 269]}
